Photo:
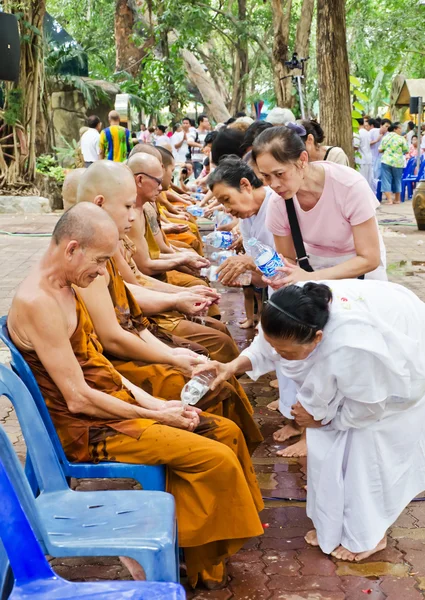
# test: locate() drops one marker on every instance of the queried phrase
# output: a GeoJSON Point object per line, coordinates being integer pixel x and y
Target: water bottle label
{"type": "Point", "coordinates": [269, 266]}
{"type": "Point", "coordinates": [226, 239]}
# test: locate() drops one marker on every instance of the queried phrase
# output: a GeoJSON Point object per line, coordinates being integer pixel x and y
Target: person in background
{"type": "Point", "coordinates": [90, 141]}
{"type": "Point", "coordinates": [187, 176]}
{"type": "Point", "coordinates": [251, 133]}
{"type": "Point", "coordinates": [280, 116]}
{"type": "Point", "coordinates": [376, 136]}
{"type": "Point", "coordinates": [413, 150]}
{"type": "Point", "coordinates": [160, 137]}
{"type": "Point", "coordinates": [410, 132]}
{"type": "Point", "coordinates": [313, 140]}
{"type": "Point", "coordinates": [423, 139]}
{"type": "Point", "coordinates": [363, 158]}
{"type": "Point", "coordinates": [178, 143]}
{"type": "Point", "coordinates": [196, 143]}
{"type": "Point", "coordinates": [393, 149]}
{"type": "Point", "coordinates": [142, 134]}
{"type": "Point", "coordinates": [115, 140]}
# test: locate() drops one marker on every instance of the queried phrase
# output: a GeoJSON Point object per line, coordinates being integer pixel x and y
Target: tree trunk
{"type": "Point", "coordinates": [281, 11]}
{"type": "Point", "coordinates": [333, 75]}
{"type": "Point", "coordinates": [211, 95]}
{"type": "Point", "coordinates": [241, 67]}
{"type": "Point", "coordinates": [128, 56]}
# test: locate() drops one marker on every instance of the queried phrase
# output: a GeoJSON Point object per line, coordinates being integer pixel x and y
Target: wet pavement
{"type": "Point", "coordinates": [279, 565]}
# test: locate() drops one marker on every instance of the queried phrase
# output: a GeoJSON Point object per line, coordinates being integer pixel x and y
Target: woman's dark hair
{"type": "Point", "coordinates": [230, 171]}
{"type": "Point", "coordinates": [313, 128]}
{"type": "Point", "coordinates": [207, 162]}
{"type": "Point", "coordinates": [297, 313]}
{"type": "Point", "coordinates": [253, 132]}
{"type": "Point", "coordinates": [228, 141]}
{"type": "Point", "coordinates": [210, 137]}
{"type": "Point", "coordinates": [283, 143]}
{"type": "Point", "coordinates": [394, 126]}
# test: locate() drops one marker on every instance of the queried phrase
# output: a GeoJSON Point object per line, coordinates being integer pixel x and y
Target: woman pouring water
{"type": "Point", "coordinates": [356, 350]}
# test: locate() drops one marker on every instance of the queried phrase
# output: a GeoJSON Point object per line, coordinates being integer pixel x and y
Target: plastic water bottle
{"type": "Point", "coordinates": [197, 196]}
{"type": "Point", "coordinates": [243, 279]}
{"type": "Point", "coordinates": [210, 272]}
{"type": "Point", "coordinates": [266, 258]}
{"type": "Point", "coordinates": [219, 239]}
{"type": "Point", "coordinates": [195, 211]}
{"type": "Point", "coordinates": [196, 388]}
{"type": "Point", "coordinates": [222, 218]}
{"type": "Point", "coordinates": [220, 257]}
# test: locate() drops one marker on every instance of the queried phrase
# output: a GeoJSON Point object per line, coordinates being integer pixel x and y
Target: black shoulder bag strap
{"type": "Point", "coordinates": [327, 152]}
{"type": "Point", "coordinates": [297, 238]}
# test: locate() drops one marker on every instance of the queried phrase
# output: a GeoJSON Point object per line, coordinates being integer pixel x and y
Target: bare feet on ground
{"type": "Point", "coordinates": [273, 405]}
{"type": "Point", "coordinates": [311, 538]}
{"type": "Point", "coordinates": [342, 553]}
{"type": "Point", "coordinates": [274, 384]}
{"type": "Point", "coordinates": [135, 569]}
{"type": "Point", "coordinates": [295, 451]}
{"type": "Point", "coordinates": [287, 431]}
{"type": "Point", "coordinates": [247, 324]}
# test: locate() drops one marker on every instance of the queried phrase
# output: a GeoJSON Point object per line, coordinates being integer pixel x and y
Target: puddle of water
{"type": "Point", "coordinates": [267, 481]}
{"type": "Point", "coordinates": [372, 569]}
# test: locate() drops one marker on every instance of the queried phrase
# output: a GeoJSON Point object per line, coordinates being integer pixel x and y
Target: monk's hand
{"type": "Point", "coordinates": [302, 417]}
{"type": "Point", "coordinates": [190, 304]}
{"type": "Point", "coordinates": [186, 360]}
{"type": "Point", "coordinates": [238, 243]}
{"type": "Point", "coordinates": [221, 371]}
{"type": "Point", "coordinates": [289, 274]}
{"type": "Point", "coordinates": [204, 292]}
{"type": "Point", "coordinates": [182, 417]}
{"type": "Point", "coordinates": [196, 262]}
{"type": "Point", "coordinates": [234, 266]}
{"type": "Point", "coordinates": [175, 227]}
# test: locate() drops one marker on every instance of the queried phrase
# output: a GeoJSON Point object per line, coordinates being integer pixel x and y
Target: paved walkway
{"type": "Point", "coordinates": [278, 565]}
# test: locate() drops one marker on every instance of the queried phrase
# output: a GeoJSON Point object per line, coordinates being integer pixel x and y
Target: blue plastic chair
{"type": "Point", "coordinates": [137, 524]}
{"type": "Point", "coordinates": [149, 477]}
{"type": "Point", "coordinates": [33, 577]}
{"type": "Point", "coordinates": [409, 177]}
{"type": "Point", "coordinates": [379, 190]}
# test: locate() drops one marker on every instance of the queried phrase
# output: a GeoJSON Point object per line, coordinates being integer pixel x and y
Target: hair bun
{"type": "Point", "coordinates": [319, 293]}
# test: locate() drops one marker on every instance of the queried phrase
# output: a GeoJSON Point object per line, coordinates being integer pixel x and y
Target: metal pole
{"type": "Point", "coordinates": [420, 111]}
{"type": "Point", "coordinates": [300, 94]}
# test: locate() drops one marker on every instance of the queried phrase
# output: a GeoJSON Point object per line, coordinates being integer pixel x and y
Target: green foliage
{"type": "Point", "coordinates": [14, 107]}
{"type": "Point", "coordinates": [66, 154]}
{"type": "Point", "coordinates": [48, 165]}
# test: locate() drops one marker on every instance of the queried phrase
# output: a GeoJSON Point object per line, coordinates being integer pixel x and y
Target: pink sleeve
{"type": "Point", "coordinates": [359, 204]}
{"type": "Point", "coordinates": [277, 218]}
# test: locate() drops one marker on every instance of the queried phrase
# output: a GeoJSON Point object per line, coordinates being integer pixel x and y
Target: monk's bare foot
{"type": "Point", "coordinates": [311, 538]}
{"type": "Point", "coordinates": [295, 451]}
{"type": "Point", "coordinates": [247, 324]}
{"type": "Point", "coordinates": [273, 405]}
{"type": "Point", "coordinates": [342, 553]}
{"type": "Point", "coordinates": [136, 570]}
{"type": "Point", "coordinates": [274, 384]}
{"type": "Point", "coordinates": [286, 432]}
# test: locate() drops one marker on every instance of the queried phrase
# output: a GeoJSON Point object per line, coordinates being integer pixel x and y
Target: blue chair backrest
{"type": "Point", "coordinates": [421, 172]}
{"type": "Point", "coordinates": [20, 366]}
{"type": "Point", "coordinates": [20, 543]}
{"type": "Point", "coordinates": [410, 167]}
{"type": "Point", "coordinates": [50, 477]}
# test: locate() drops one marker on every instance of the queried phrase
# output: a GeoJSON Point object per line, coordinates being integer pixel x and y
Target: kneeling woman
{"type": "Point", "coordinates": [356, 350]}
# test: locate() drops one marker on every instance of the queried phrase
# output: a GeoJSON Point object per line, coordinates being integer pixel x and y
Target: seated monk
{"type": "Point", "coordinates": [172, 325]}
{"type": "Point", "coordinates": [100, 415]}
{"type": "Point", "coordinates": [127, 341]}
{"type": "Point", "coordinates": [149, 259]}
{"type": "Point", "coordinates": [70, 186]}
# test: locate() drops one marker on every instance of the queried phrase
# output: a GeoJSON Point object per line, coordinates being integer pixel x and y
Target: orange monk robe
{"type": "Point", "coordinates": [190, 238]}
{"type": "Point", "coordinates": [214, 519]}
{"type": "Point", "coordinates": [229, 400]}
{"type": "Point", "coordinates": [174, 277]}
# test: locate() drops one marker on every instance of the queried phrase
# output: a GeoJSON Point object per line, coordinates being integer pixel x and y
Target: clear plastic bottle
{"type": "Point", "coordinates": [210, 272]}
{"type": "Point", "coordinates": [219, 239]}
{"type": "Point", "coordinates": [222, 218]}
{"type": "Point", "coordinates": [198, 196]}
{"type": "Point", "coordinates": [243, 279]}
{"type": "Point", "coordinates": [266, 258]}
{"type": "Point", "coordinates": [195, 211]}
{"type": "Point", "coordinates": [196, 388]}
{"type": "Point", "coordinates": [220, 257]}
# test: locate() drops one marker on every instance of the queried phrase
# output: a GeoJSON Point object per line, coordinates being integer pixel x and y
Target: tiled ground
{"type": "Point", "coordinates": [279, 565]}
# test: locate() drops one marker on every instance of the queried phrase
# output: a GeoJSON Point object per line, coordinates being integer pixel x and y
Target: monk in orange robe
{"type": "Point", "coordinates": [100, 415]}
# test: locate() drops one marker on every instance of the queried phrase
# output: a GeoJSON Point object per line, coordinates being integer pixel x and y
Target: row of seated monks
{"type": "Point", "coordinates": [111, 322]}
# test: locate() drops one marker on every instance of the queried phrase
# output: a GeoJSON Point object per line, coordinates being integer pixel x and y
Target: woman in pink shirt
{"type": "Point", "coordinates": [334, 205]}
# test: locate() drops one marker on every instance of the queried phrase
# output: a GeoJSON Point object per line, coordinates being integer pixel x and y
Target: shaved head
{"type": "Point", "coordinates": [104, 178]}
{"type": "Point", "coordinates": [85, 223]}
{"type": "Point", "coordinates": [70, 187]}
{"type": "Point", "coordinates": [144, 162]}
{"type": "Point", "coordinates": [147, 149]}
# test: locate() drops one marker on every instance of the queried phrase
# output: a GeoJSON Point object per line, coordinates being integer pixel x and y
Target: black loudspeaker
{"type": "Point", "coordinates": [10, 47]}
{"type": "Point", "coordinates": [414, 105]}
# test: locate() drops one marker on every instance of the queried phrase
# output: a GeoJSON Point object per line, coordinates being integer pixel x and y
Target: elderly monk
{"type": "Point", "coordinates": [126, 339]}
{"type": "Point", "coordinates": [99, 414]}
